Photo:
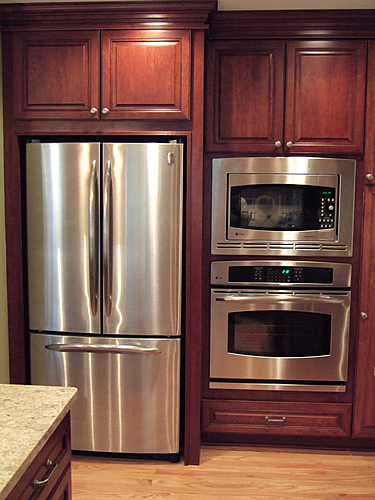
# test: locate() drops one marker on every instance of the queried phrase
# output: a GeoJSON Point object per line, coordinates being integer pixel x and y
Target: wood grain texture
{"type": "Point", "coordinates": [229, 472]}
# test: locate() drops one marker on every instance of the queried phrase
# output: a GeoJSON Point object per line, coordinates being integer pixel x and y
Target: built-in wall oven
{"type": "Point", "coordinates": [279, 325]}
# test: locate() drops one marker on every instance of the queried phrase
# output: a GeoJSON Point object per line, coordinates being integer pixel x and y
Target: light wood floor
{"type": "Point", "coordinates": [229, 473]}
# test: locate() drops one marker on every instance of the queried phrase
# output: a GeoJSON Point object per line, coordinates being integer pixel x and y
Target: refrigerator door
{"type": "Point", "coordinates": [63, 206]}
{"type": "Point", "coordinates": [142, 238]}
{"type": "Point", "coordinates": [128, 389]}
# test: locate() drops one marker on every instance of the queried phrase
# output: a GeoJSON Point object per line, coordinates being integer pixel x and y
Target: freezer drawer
{"type": "Point", "coordinates": [128, 389]}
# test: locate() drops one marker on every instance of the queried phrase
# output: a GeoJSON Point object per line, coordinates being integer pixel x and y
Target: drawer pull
{"type": "Point", "coordinates": [39, 484]}
{"type": "Point", "coordinates": [279, 420]}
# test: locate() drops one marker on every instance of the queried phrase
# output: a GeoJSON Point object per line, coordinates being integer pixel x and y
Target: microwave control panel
{"type": "Point", "coordinates": [327, 209]}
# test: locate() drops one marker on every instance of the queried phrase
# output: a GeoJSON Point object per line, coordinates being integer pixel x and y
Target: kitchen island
{"type": "Point", "coordinates": [34, 439]}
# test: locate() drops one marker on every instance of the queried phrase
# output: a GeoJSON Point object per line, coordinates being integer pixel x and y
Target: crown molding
{"type": "Point", "coordinates": [106, 15]}
{"type": "Point", "coordinates": [293, 24]}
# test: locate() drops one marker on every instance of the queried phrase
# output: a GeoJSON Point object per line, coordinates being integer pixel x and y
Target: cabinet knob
{"type": "Point", "coordinates": [364, 315]}
{"type": "Point", "coordinates": [289, 144]}
{"type": "Point", "coordinates": [369, 177]}
{"type": "Point", "coordinates": [277, 144]}
{"type": "Point", "coordinates": [105, 111]}
{"type": "Point", "coordinates": [93, 111]}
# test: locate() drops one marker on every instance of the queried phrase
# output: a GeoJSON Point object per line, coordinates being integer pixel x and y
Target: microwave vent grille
{"type": "Point", "coordinates": [293, 248]}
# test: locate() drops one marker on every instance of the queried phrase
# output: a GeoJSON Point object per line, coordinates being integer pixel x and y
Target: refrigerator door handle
{"type": "Point", "coordinates": [107, 238]}
{"type": "Point", "coordinates": [93, 240]}
{"type": "Point", "coordinates": [107, 348]}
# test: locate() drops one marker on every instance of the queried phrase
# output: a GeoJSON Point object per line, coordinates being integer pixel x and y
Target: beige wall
{"type": "Point", "coordinates": [4, 363]}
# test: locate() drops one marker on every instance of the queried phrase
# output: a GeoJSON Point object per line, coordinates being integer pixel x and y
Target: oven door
{"type": "Point", "coordinates": [276, 337]}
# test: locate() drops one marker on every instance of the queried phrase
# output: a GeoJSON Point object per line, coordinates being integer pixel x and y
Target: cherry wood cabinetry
{"type": "Point", "coordinates": [297, 83]}
{"type": "Point", "coordinates": [270, 418]}
{"type": "Point", "coordinates": [323, 88]}
{"type": "Point", "coordinates": [364, 402]}
{"type": "Point", "coordinates": [50, 469]}
{"type": "Point", "coordinates": [144, 62]}
{"type": "Point", "coordinates": [120, 74]}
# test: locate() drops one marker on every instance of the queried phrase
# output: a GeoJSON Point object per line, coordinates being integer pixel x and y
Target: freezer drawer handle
{"type": "Point", "coordinates": [108, 348]}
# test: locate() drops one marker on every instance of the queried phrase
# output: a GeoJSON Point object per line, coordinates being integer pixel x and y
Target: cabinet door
{"type": "Point", "coordinates": [245, 96]}
{"type": "Point", "coordinates": [364, 403]}
{"type": "Point", "coordinates": [364, 400]}
{"type": "Point", "coordinates": [325, 96]}
{"type": "Point", "coordinates": [146, 75]}
{"type": "Point", "coordinates": [56, 74]}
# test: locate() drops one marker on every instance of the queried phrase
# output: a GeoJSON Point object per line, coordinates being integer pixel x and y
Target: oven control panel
{"type": "Point", "coordinates": [280, 272]}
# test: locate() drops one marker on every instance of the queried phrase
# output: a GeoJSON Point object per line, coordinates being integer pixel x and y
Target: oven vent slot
{"type": "Point", "coordinates": [229, 245]}
{"type": "Point", "coordinates": [308, 246]}
{"type": "Point", "coordinates": [255, 246]}
{"type": "Point", "coordinates": [335, 247]}
{"type": "Point", "coordinates": [281, 246]}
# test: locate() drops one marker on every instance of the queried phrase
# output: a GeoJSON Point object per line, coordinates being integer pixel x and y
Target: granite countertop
{"type": "Point", "coordinates": [29, 414]}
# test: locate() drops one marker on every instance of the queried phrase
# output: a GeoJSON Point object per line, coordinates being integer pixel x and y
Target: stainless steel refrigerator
{"type": "Point", "coordinates": [104, 236]}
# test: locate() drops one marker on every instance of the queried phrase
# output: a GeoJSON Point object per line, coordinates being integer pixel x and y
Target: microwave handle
{"type": "Point", "coordinates": [291, 298]}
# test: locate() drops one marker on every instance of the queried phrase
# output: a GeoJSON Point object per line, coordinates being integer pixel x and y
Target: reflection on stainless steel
{"type": "Point", "coordinates": [267, 336]}
{"type": "Point", "coordinates": [275, 227]}
{"type": "Point", "coordinates": [104, 225]}
{"type": "Point", "coordinates": [128, 395]}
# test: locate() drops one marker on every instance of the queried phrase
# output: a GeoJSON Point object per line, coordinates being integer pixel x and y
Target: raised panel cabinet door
{"type": "Point", "coordinates": [364, 397]}
{"type": "Point", "coordinates": [325, 96]}
{"type": "Point", "coordinates": [146, 75]}
{"type": "Point", "coordinates": [364, 400]}
{"type": "Point", "coordinates": [245, 96]}
{"type": "Point", "coordinates": [56, 74]}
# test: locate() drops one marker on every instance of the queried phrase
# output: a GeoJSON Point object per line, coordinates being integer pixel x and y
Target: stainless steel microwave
{"type": "Point", "coordinates": [283, 206]}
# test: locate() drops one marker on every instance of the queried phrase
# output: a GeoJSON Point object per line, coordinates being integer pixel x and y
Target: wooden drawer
{"type": "Point", "coordinates": [298, 419]}
{"type": "Point", "coordinates": [58, 451]}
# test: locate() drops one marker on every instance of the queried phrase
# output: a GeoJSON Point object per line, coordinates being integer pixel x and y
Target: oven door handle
{"type": "Point", "coordinates": [290, 298]}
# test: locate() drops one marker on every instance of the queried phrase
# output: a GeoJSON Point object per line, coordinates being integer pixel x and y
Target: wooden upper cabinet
{"type": "Point", "coordinates": [325, 96]}
{"type": "Point", "coordinates": [144, 75]}
{"type": "Point", "coordinates": [322, 84]}
{"type": "Point", "coordinates": [244, 96]}
{"type": "Point", "coordinates": [56, 74]}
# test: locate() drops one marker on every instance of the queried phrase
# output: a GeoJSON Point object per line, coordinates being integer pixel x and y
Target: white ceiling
{"type": "Point", "coordinates": [255, 4]}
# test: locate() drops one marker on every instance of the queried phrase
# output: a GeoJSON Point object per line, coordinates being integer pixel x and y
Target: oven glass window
{"type": "Point", "coordinates": [282, 207]}
{"type": "Point", "coordinates": [288, 334]}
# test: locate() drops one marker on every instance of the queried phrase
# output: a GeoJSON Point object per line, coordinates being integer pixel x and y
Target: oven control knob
{"type": "Point", "coordinates": [364, 315]}
{"type": "Point", "coordinates": [331, 207]}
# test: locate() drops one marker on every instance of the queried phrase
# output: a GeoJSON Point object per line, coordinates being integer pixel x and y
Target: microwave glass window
{"type": "Point", "coordinates": [288, 334]}
{"type": "Point", "coordinates": [282, 207]}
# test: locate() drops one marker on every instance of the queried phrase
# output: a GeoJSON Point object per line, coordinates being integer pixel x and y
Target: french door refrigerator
{"type": "Point", "coordinates": [104, 238]}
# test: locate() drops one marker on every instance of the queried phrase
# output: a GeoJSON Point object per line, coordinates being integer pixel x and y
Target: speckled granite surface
{"type": "Point", "coordinates": [29, 415]}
